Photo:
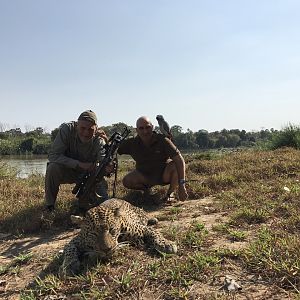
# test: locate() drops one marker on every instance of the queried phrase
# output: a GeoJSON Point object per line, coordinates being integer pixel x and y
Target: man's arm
{"type": "Point", "coordinates": [125, 146]}
{"type": "Point", "coordinates": [180, 166]}
{"type": "Point", "coordinates": [59, 147]}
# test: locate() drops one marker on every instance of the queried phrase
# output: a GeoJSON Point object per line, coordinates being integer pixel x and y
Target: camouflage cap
{"type": "Point", "coordinates": [88, 115]}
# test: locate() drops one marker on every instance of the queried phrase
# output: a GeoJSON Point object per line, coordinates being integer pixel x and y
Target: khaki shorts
{"type": "Point", "coordinates": [154, 177]}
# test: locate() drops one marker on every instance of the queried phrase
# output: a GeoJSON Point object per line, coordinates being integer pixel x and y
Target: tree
{"type": "Point", "coordinates": [221, 141]}
{"type": "Point", "coordinates": [117, 127]}
{"type": "Point", "coordinates": [233, 140]}
{"type": "Point", "coordinates": [54, 134]}
{"type": "Point", "coordinates": [243, 135]}
{"type": "Point", "coordinates": [176, 130]}
{"type": "Point", "coordinates": [27, 145]}
{"type": "Point", "coordinates": [186, 140]}
{"type": "Point", "coordinates": [202, 138]}
{"type": "Point", "coordinates": [15, 132]}
{"type": "Point", "coordinates": [39, 131]}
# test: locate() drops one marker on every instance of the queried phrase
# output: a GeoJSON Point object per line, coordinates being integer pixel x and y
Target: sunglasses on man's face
{"type": "Point", "coordinates": [144, 127]}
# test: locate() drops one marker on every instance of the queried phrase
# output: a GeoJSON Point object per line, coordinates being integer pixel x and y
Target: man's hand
{"type": "Point", "coordinates": [182, 193]}
{"type": "Point", "coordinates": [110, 168]}
{"type": "Point", "coordinates": [101, 133]}
{"type": "Point", "coordinates": [87, 166]}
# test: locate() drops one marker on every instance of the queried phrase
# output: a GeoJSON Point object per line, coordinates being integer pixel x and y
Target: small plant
{"type": "Point", "coordinates": [194, 238]}
{"type": "Point", "coordinates": [237, 235]}
{"type": "Point", "coordinates": [15, 269]}
{"type": "Point", "coordinates": [250, 216]}
{"type": "Point", "coordinates": [3, 269]}
{"type": "Point", "coordinates": [172, 232]}
{"type": "Point", "coordinates": [177, 293]}
{"type": "Point", "coordinates": [234, 235]}
{"type": "Point", "coordinates": [175, 211]}
{"type": "Point", "coordinates": [198, 226]}
{"type": "Point", "coordinates": [124, 280]}
{"type": "Point", "coordinates": [94, 293]}
{"type": "Point", "coordinates": [195, 235]}
{"type": "Point", "coordinates": [222, 228]}
{"type": "Point", "coordinates": [201, 261]}
{"type": "Point", "coordinates": [178, 274]}
{"type": "Point", "coordinates": [154, 270]}
{"type": "Point", "coordinates": [228, 253]}
{"type": "Point", "coordinates": [195, 267]}
{"type": "Point", "coordinates": [15, 266]}
{"type": "Point", "coordinates": [28, 295]}
{"type": "Point", "coordinates": [23, 258]}
{"type": "Point", "coordinates": [49, 283]}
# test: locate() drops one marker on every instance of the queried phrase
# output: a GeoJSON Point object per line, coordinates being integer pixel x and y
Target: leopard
{"type": "Point", "coordinates": [106, 228]}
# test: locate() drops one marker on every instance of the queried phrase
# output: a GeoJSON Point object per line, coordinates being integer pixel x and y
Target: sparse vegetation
{"type": "Point", "coordinates": [248, 228]}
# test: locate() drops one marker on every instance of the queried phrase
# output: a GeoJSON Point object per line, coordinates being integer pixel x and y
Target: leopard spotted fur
{"type": "Point", "coordinates": [105, 226]}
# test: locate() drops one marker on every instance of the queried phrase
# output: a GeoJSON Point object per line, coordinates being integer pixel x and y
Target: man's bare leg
{"type": "Point", "coordinates": [136, 181]}
{"type": "Point", "coordinates": [170, 176]}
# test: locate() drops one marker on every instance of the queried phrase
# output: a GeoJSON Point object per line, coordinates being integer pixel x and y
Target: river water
{"type": "Point", "coordinates": [31, 164]}
{"type": "Point", "coordinates": [26, 165]}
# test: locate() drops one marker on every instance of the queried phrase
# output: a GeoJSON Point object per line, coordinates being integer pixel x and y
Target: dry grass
{"type": "Point", "coordinates": [248, 227]}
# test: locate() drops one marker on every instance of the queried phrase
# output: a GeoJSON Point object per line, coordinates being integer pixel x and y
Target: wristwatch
{"type": "Point", "coordinates": [181, 181]}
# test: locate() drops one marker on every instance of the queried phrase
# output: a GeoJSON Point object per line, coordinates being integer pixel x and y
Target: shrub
{"type": "Point", "coordinates": [288, 137]}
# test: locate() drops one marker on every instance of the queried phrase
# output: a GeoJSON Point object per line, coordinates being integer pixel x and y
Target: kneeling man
{"type": "Point", "coordinates": [158, 161]}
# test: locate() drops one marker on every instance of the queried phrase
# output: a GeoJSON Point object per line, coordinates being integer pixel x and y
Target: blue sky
{"type": "Point", "coordinates": [203, 64]}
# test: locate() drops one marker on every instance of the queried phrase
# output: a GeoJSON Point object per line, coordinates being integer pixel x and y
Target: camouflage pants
{"type": "Point", "coordinates": [57, 174]}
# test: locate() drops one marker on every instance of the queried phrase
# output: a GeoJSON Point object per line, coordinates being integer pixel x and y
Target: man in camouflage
{"type": "Point", "coordinates": [75, 150]}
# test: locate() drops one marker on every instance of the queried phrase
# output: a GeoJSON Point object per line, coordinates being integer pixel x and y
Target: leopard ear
{"type": "Point", "coordinates": [118, 211]}
{"type": "Point", "coordinates": [77, 220]}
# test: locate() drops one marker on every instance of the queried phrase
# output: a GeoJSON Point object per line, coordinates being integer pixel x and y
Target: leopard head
{"type": "Point", "coordinates": [103, 226]}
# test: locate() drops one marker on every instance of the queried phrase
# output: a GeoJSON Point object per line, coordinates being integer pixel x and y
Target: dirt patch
{"type": "Point", "coordinates": [42, 248]}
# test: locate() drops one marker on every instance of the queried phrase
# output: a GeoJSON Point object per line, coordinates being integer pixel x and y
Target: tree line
{"type": "Point", "coordinates": [37, 141]}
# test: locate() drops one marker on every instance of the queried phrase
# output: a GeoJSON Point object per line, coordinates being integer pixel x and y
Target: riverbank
{"type": "Point", "coordinates": [25, 165]}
